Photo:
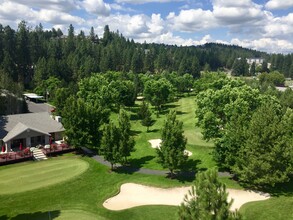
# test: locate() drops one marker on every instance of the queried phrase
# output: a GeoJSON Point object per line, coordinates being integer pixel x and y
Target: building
{"type": "Point", "coordinates": [257, 61]}
{"type": "Point", "coordinates": [29, 130]}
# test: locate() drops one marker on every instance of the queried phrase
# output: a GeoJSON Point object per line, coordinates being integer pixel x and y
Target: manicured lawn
{"type": "Point", "coordinates": [28, 176]}
{"type": "Point", "coordinates": [80, 196]}
{"type": "Point", "coordinates": [280, 206]}
{"type": "Point", "coordinates": [145, 155]}
{"type": "Point", "coordinates": [275, 208]}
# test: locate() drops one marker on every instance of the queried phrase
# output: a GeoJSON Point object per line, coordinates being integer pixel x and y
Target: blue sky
{"type": "Point", "coordinates": [265, 25]}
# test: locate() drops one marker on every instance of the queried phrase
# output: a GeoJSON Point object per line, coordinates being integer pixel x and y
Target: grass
{"type": "Point", "coordinates": [145, 155]}
{"type": "Point", "coordinates": [80, 196]}
{"type": "Point", "coordinates": [280, 206]}
{"type": "Point", "coordinates": [29, 176]}
{"type": "Point", "coordinates": [84, 193]}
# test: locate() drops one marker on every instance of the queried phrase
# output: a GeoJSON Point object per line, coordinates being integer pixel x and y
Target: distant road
{"type": "Point", "coordinates": [38, 107]}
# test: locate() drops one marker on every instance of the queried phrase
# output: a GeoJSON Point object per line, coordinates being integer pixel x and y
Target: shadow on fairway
{"type": "Point", "coordinates": [34, 216]}
{"type": "Point", "coordinates": [134, 132]}
{"type": "Point", "coordinates": [281, 189]}
{"type": "Point", "coordinates": [134, 165]}
{"type": "Point", "coordinates": [189, 171]}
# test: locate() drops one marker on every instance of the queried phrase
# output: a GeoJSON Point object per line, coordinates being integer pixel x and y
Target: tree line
{"type": "Point", "coordinates": [31, 55]}
{"type": "Point", "coordinates": [251, 128]}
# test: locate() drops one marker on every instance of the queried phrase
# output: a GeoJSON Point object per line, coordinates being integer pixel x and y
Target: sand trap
{"type": "Point", "coordinates": [132, 195]}
{"type": "Point", "coordinates": [156, 143]}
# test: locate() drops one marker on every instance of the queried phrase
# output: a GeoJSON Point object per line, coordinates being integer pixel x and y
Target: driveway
{"type": "Point", "coordinates": [34, 107]}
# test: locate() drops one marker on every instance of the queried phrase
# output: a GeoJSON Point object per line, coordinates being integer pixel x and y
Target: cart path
{"type": "Point", "coordinates": [128, 169]}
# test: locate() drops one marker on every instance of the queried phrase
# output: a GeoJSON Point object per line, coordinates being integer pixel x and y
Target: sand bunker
{"type": "Point", "coordinates": [156, 143]}
{"type": "Point", "coordinates": [132, 195]}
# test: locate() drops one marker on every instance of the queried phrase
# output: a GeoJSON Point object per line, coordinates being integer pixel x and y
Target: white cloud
{"type": "Point", "coordinates": [10, 12]}
{"type": "Point", "coordinates": [118, 7]}
{"type": "Point", "coordinates": [266, 44]}
{"type": "Point", "coordinates": [146, 1]}
{"type": "Point", "coordinates": [279, 4]}
{"type": "Point", "coordinates": [50, 16]}
{"type": "Point", "coordinates": [14, 12]}
{"type": "Point", "coordinates": [280, 27]}
{"type": "Point", "coordinates": [231, 12]}
{"type": "Point", "coordinates": [58, 5]}
{"type": "Point", "coordinates": [192, 20]}
{"type": "Point", "coordinates": [96, 7]}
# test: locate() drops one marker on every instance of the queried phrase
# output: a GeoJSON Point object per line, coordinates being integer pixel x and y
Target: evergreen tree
{"type": "Point", "coordinates": [207, 200]}
{"type": "Point", "coordinates": [171, 153]}
{"type": "Point", "coordinates": [145, 115]}
{"type": "Point", "coordinates": [266, 157]}
{"type": "Point", "coordinates": [252, 69]}
{"type": "Point", "coordinates": [23, 54]}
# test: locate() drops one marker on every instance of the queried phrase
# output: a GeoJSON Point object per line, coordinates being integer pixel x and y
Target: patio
{"type": "Point", "coordinates": [14, 157]}
{"type": "Point", "coordinates": [27, 153]}
{"type": "Point", "coordinates": [56, 148]}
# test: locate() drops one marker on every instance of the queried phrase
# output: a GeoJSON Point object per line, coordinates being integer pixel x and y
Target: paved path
{"type": "Point", "coordinates": [34, 107]}
{"type": "Point", "coordinates": [128, 169]}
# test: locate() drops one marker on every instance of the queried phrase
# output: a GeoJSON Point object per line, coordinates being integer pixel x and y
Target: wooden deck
{"type": "Point", "coordinates": [26, 154]}
{"type": "Point", "coordinates": [15, 157]}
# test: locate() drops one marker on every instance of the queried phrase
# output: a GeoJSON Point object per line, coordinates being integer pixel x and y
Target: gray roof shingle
{"type": "Point", "coordinates": [41, 121]}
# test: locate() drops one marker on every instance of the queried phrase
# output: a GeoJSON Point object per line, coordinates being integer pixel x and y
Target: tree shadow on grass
{"type": "Point", "coordinates": [180, 113]}
{"type": "Point", "coordinates": [134, 165]}
{"type": "Point", "coordinates": [281, 189]}
{"type": "Point", "coordinates": [34, 216]}
{"type": "Point", "coordinates": [134, 117]}
{"type": "Point", "coordinates": [153, 130]}
{"type": "Point", "coordinates": [134, 133]}
{"type": "Point", "coordinates": [188, 171]}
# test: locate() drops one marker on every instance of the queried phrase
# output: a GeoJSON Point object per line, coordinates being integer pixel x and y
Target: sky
{"type": "Point", "coordinates": [265, 25]}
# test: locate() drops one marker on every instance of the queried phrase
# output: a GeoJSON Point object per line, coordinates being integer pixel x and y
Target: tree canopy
{"type": "Point", "coordinates": [171, 153]}
{"type": "Point", "coordinates": [207, 199]}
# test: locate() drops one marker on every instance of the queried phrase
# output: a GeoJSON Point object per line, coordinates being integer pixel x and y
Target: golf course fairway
{"type": "Point", "coordinates": [30, 176]}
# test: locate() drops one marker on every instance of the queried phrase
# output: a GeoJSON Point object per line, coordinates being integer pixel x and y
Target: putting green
{"type": "Point", "coordinates": [39, 174]}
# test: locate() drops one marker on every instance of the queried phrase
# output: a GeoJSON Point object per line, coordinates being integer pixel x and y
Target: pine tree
{"type": "Point", "coordinates": [207, 199]}
{"type": "Point", "coordinates": [266, 157]}
{"type": "Point", "coordinates": [145, 115]}
{"type": "Point", "coordinates": [171, 153]}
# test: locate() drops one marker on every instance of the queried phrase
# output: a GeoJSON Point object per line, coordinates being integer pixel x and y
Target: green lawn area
{"type": "Point", "coordinates": [79, 197]}
{"type": "Point", "coordinates": [280, 206]}
{"type": "Point", "coordinates": [145, 156]}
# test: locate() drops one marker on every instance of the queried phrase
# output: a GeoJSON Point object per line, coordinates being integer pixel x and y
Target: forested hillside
{"type": "Point", "coordinates": [30, 55]}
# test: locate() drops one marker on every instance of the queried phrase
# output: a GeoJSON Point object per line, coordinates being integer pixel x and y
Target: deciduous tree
{"type": "Point", "coordinates": [171, 152]}
{"type": "Point", "coordinates": [110, 144]}
{"type": "Point", "coordinates": [126, 142]}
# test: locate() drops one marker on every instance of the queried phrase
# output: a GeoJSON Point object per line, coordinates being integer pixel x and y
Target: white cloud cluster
{"type": "Point", "coordinates": [54, 12]}
{"type": "Point", "coordinates": [96, 7]}
{"type": "Point", "coordinates": [279, 4]}
{"type": "Point", "coordinates": [192, 20]}
{"type": "Point", "coordinates": [146, 1]}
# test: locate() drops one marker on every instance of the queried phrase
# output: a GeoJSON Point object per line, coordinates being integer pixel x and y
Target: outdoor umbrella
{"type": "Point", "coordinates": [50, 140]}
{"type": "Point", "coordinates": [20, 146]}
{"type": "Point", "coordinates": [3, 148]}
